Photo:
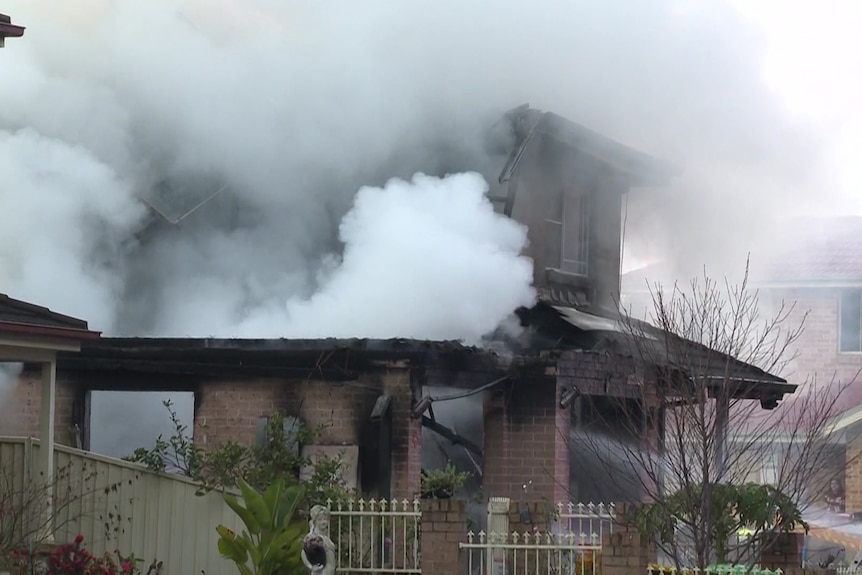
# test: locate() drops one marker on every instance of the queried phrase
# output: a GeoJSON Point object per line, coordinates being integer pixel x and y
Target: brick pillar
{"type": "Point", "coordinates": [495, 471]}
{"type": "Point", "coordinates": [784, 552]}
{"type": "Point", "coordinates": [406, 434]}
{"type": "Point", "coordinates": [526, 442]}
{"type": "Point", "coordinates": [625, 551]}
{"type": "Point", "coordinates": [444, 525]}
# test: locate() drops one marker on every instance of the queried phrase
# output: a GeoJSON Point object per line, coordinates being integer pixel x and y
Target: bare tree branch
{"type": "Point", "coordinates": [706, 421]}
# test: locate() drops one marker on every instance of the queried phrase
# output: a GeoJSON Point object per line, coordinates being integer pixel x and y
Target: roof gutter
{"type": "Point", "coordinates": [48, 331]}
{"type": "Point", "coordinates": [9, 30]}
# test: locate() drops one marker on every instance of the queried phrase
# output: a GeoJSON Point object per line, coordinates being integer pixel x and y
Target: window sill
{"type": "Point", "coordinates": [558, 276]}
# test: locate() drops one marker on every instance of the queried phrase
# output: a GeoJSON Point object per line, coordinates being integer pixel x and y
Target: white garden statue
{"type": "Point", "coordinates": [318, 550]}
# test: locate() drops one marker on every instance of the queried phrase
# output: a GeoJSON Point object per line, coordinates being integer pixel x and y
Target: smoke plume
{"type": "Point", "coordinates": [263, 118]}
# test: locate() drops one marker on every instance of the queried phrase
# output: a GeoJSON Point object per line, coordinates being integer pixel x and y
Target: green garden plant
{"type": "Point", "coordinates": [442, 483]}
{"type": "Point", "coordinates": [271, 542]}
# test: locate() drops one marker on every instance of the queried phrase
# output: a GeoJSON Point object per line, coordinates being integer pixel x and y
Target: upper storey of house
{"type": "Point", "coordinates": [566, 183]}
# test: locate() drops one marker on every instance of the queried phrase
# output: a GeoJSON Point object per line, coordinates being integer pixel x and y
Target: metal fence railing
{"type": "Point", "coordinates": [376, 536]}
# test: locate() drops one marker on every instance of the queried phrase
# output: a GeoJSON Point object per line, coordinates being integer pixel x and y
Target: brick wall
{"type": "Point", "coordinates": [818, 345]}
{"type": "Point", "coordinates": [625, 551]}
{"type": "Point", "coordinates": [526, 442]}
{"type": "Point", "coordinates": [819, 358]}
{"type": "Point", "coordinates": [228, 409]}
{"type": "Point", "coordinates": [444, 525]}
{"type": "Point", "coordinates": [20, 406]}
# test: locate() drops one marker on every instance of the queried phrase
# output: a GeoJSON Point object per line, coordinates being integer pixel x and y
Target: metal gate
{"type": "Point", "coordinates": [376, 536]}
{"type": "Point", "coordinates": [571, 545]}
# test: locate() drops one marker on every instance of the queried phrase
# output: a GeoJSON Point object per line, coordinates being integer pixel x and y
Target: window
{"type": "Point", "coordinates": [769, 474]}
{"type": "Point", "coordinates": [850, 328]}
{"type": "Point", "coordinates": [569, 233]}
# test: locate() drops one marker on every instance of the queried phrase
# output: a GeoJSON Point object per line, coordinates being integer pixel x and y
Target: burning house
{"type": "Point", "coordinates": [378, 398]}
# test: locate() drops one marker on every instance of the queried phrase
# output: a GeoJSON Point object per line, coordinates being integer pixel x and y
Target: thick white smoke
{"type": "Point", "coordinates": [295, 105]}
{"type": "Point", "coordinates": [65, 214]}
{"type": "Point", "coordinates": [429, 258]}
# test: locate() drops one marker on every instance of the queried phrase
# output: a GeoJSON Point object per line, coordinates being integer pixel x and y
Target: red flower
{"type": "Point", "coordinates": [79, 539]}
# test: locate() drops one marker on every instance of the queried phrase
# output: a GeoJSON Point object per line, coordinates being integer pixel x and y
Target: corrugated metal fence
{"type": "Point", "coordinates": [119, 505]}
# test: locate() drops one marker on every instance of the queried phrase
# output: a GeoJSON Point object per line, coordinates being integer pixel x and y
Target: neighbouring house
{"type": "Point", "coordinates": [34, 335]}
{"type": "Point", "coordinates": [8, 29]}
{"type": "Point", "coordinates": [566, 184]}
{"type": "Point", "coordinates": [819, 270]}
{"type": "Point", "coordinates": [813, 270]}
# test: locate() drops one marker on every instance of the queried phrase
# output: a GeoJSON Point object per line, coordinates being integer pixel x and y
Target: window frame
{"type": "Point", "coordinates": [842, 294]}
{"type": "Point", "coordinates": [574, 267]}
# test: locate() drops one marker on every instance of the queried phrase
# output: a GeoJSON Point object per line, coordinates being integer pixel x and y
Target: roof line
{"type": "Point", "coordinates": [48, 331]}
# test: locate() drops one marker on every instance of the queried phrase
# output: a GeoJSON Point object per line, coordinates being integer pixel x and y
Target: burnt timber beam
{"type": "Point", "coordinates": [451, 435]}
{"type": "Point", "coordinates": [208, 369]}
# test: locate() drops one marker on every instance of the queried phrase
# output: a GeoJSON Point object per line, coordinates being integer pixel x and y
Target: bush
{"type": "Point", "coordinates": [442, 483]}
{"type": "Point", "coordinates": [259, 465]}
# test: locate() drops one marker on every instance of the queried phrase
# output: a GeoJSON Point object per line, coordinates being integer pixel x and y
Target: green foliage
{"type": "Point", "coordinates": [442, 483]}
{"type": "Point", "coordinates": [258, 465]}
{"type": "Point", "coordinates": [178, 453]}
{"type": "Point", "coordinates": [721, 512]}
{"type": "Point", "coordinates": [271, 542]}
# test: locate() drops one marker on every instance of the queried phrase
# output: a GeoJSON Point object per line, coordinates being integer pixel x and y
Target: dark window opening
{"type": "Point", "coordinates": [850, 329]}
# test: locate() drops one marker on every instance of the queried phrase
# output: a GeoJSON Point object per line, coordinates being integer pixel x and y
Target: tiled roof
{"type": "Point", "coordinates": [17, 316]}
{"type": "Point", "coordinates": [819, 250]}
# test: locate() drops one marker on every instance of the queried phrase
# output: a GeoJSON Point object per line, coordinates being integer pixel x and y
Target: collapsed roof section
{"type": "Point", "coordinates": [175, 200]}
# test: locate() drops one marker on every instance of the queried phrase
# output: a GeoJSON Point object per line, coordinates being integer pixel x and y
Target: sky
{"type": "Point", "coordinates": [812, 52]}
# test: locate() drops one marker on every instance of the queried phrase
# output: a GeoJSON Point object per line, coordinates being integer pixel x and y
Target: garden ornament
{"type": "Point", "coordinates": [318, 550]}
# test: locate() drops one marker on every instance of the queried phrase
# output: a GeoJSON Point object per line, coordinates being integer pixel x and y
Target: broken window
{"type": "Point", "coordinates": [569, 232]}
{"type": "Point", "coordinates": [850, 328]}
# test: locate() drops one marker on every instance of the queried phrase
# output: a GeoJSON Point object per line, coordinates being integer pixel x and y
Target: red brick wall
{"type": "Point", "coordinates": [444, 524]}
{"type": "Point", "coordinates": [819, 358]}
{"type": "Point", "coordinates": [818, 344]}
{"type": "Point", "coordinates": [526, 440]}
{"type": "Point", "coordinates": [20, 406]}
{"type": "Point", "coordinates": [228, 409]}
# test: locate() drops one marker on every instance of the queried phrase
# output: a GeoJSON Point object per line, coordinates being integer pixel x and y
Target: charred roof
{"type": "Point", "coordinates": [335, 359]}
{"type": "Point", "coordinates": [528, 124]}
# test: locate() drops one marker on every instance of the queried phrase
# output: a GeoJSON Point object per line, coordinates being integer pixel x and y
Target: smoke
{"type": "Point", "coordinates": [466, 274]}
{"type": "Point", "coordinates": [297, 105]}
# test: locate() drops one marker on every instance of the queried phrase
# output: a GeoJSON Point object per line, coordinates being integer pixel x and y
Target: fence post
{"type": "Point", "coordinates": [498, 522]}
{"type": "Point", "coordinates": [444, 524]}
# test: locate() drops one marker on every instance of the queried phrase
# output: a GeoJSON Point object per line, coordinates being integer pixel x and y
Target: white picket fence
{"type": "Point", "coordinates": [571, 544]}
{"type": "Point", "coordinates": [376, 536]}
{"type": "Point", "coordinates": [380, 536]}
